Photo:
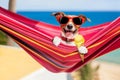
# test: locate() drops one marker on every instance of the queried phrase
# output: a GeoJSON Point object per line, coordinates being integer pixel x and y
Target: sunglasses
{"type": "Point", "coordinates": [75, 20]}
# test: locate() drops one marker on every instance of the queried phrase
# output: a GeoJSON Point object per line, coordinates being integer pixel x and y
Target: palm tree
{"type": "Point", "coordinates": [12, 8]}
{"type": "Point", "coordinates": [12, 5]}
{"type": "Point", "coordinates": [4, 39]}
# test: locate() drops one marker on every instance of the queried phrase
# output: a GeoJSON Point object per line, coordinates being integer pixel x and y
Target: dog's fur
{"type": "Point", "coordinates": [72, 31]}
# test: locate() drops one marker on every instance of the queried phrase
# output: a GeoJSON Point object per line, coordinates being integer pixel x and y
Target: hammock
{"type": "Point", "coordinates": [36, 39]}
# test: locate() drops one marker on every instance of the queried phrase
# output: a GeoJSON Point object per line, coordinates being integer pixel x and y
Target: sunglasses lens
{"type": "Point", "coordinates": [77, 21]}
{"type": "Point", "coordinates": [64, 20]}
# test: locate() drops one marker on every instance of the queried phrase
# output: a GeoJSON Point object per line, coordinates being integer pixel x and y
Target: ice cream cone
{"type": "Point", "coordinates": [82, 57]}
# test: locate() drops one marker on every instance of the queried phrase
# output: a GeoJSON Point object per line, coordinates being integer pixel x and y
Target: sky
{"type": "Point", "coordinates": [65, 5]}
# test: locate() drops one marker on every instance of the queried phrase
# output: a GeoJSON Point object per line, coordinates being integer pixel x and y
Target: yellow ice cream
{"type": "Point", "coordinates": [79, 41]}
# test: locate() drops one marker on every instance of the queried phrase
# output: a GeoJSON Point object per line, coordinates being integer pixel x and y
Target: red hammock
{"type": "Point", "coordinates": [36, 38]}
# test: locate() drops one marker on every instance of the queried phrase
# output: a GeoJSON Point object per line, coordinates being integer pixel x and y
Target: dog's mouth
{"type": "Point", "coordinates": [69, 33]}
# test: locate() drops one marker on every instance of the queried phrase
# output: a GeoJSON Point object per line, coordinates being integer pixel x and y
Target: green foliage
{"type": "Point", "coordinates": [3, 38]}
{"type": "Point", "coordinates": [86, 72]}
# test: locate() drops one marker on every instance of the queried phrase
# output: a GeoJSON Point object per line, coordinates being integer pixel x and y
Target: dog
{"type": "Point", "coordinates": [70, 25]}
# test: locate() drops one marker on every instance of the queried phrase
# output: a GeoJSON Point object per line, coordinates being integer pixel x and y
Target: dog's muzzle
{"type": "Point", "coordinates": [69, 26]}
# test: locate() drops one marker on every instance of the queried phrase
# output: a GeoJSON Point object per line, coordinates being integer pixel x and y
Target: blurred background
{"type": "Point", "coordinates": [18, 65]}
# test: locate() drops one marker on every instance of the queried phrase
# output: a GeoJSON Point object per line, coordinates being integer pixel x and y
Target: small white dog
{"type": "Point", "coordinates": [69, 25]}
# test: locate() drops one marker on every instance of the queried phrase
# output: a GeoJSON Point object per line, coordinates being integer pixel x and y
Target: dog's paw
{"type": "Point", "coordinates": [83, 50]}
{"type": "Point", "coordinates": [56, 41]}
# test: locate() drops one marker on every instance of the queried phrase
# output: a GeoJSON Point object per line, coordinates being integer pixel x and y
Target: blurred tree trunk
{"type": "Point", "coordinates": [12, 5]}
{"type": "Point", "coordinates": [12, 8]}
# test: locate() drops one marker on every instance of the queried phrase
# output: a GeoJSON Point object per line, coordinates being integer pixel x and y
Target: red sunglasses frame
{"type": "Point", "coordinates": [70, 18]}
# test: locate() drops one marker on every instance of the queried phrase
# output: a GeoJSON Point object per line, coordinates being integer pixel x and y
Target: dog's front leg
{"type": "Point", "coordinates": [56, 41]}
{"type": "Point", "coordinates": [82, 50]}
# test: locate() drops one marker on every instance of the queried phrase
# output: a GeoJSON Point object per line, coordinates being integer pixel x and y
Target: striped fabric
{"type": "Point", "coordinates": [36, 39]}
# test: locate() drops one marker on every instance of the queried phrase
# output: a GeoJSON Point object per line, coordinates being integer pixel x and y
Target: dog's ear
{"type": "Point", "coordinates": [58, 15]}
{"type": "Point", "coordinates": [84, 18]}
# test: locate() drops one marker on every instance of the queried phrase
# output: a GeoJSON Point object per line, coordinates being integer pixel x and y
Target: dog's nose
{"type": "Point", "coordinates": [69, 26]}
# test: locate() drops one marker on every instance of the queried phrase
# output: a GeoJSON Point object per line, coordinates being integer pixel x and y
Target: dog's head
{"type": "Point", "coordinates": [69, 23]}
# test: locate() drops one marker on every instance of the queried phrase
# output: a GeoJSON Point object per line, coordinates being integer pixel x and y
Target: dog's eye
{"type": "Point", "coordinates": [64, 20]}
{"type": "Point", "coordinates": [77, 21]}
